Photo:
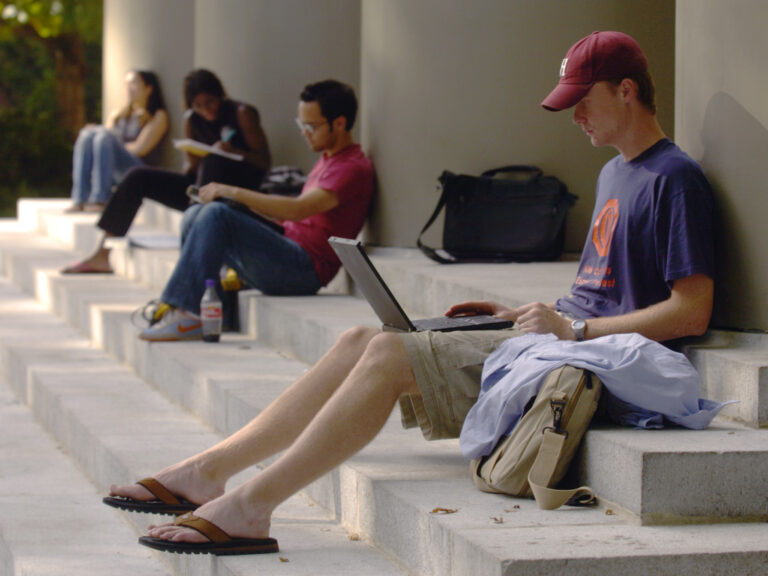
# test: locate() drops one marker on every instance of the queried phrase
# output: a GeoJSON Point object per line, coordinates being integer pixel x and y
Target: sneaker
{"type": "Point", "coordinates": [175, 325]}
{"type": "Point", "coordinates": [149, 314]}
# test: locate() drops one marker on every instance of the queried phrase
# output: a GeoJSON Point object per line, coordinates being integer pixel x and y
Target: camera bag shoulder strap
{"type": "Point", "coordinates": [542, 473]}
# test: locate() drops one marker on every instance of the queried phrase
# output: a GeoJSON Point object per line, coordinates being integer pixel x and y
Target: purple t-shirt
{"type": "Point", "coordinates": [652, 225]}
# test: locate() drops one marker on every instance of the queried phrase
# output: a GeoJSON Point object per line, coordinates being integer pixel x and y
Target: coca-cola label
{"type": "Point", "coordinates": [212, 312]}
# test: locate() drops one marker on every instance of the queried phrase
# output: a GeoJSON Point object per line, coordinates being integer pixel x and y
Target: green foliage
{"type": "Point", "coordinates": [32, 144]}
{"type": "Point", "coordinates": [51, 18]}
{"type": "Point", "coordinates": [35, 149]}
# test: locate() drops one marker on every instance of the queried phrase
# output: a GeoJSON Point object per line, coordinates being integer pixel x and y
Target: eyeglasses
{"type": "Point", "coordinates": [309, 127]}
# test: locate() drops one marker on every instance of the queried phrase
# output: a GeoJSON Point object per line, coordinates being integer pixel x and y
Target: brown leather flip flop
{"type": "Point", "coordinates": [165, 502]}
{"type": "Point", "coordinates": [220, 543]}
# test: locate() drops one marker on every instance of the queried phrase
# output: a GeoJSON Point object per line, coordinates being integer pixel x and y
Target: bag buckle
{"type": "Point", "coordinates": [558, 408]}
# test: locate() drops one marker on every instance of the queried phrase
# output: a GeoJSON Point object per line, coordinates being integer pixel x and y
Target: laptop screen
{"type": "Point", "coordinates": [369, 282]}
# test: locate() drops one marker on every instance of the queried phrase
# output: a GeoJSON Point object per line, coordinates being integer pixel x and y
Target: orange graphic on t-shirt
{"type": "Point", "coordinates": [605, 224]}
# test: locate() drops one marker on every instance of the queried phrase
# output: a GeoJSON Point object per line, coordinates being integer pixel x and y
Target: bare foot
{"type": "Point", "coordinates": [186, 479]}
{"type": "Point", "coordinates": [94, 207]}
{"type": "Point", "coordinates": [83, 267]}
{"type": "Point", "coordinates": [76, 207]}
{"type": "Point", "coordinates": [232, 513]}
{"type": "Point", "coordinates": [97, 263]}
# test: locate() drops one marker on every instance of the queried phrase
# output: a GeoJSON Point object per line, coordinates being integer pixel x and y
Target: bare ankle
{"type": "Point", "coordinates": [207, 471]}
{"type": "Point", "coordinates": [256, 514]}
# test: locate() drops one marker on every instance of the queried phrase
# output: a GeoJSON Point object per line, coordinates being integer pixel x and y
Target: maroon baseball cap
{"type": "Point", "coordinates": [599, 56]}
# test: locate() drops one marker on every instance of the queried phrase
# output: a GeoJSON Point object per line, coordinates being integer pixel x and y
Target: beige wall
{"type": "Point", "coordinates": [442, 83]}
{"type": "Point", "coordinates": [451, 84]}
{"type": "Point", "coordinates": [136, 35]}
{"type": "Point", "coordinates": [721, 119]}
{"type": "Point", "coordinates": [456, 84]}
{"type": "Point", "coordinates": [264, 52]}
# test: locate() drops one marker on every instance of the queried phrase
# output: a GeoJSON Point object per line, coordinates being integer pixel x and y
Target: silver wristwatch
{"type": "Point", "coordinates": [579, 328]}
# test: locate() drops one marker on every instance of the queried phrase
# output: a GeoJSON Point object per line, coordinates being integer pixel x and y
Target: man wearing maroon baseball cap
{"type": "Point", "coordinates": [599, 56]}
{"type": "Point", "coordinates": [649, 261]}
{"type": "Point", "coordinates": [646, 268]}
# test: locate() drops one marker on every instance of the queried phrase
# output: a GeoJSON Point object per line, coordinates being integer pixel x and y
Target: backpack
{"type": "Point", "coordinates": [536, 454]}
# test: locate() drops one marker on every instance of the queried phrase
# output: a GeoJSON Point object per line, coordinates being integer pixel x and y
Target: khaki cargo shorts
{"type": "Point", "coordinates": [448, 367]}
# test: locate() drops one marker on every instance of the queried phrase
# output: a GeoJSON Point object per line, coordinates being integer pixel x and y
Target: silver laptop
{"type": "Point", "coordinates": [370, 283]}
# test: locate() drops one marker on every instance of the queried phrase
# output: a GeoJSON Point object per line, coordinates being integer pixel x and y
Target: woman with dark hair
{"type": "Point", "coordinates": [231, 126]}
{"type": "Point", "coordinates": [211, 118]}
{"type": "Point", "coordinates": [130, 137]}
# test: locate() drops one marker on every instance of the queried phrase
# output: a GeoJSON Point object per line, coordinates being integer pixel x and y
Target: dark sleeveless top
{"type": "Point", "coordinates": [211, 132]}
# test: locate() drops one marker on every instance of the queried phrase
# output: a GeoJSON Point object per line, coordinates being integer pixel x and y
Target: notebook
{"type": "Point", "coordinates": [392, 316]}
{"type": "Point", "coordinates": [194, 194]}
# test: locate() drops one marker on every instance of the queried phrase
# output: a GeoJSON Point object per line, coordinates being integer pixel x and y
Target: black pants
{"type": "Point", "coordinates": [170, 188]}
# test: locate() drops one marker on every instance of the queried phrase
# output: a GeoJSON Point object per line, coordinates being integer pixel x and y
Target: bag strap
{"type": "Point", "coordinates": [535, 171]}
{"type": "Point", "coordinates": [542, 471]}
{"type": "Point", "coordinates": [432, 252]}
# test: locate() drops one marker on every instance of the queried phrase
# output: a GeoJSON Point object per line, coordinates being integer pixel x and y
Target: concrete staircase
{"type": "Point", "coordinates": [84, 403]}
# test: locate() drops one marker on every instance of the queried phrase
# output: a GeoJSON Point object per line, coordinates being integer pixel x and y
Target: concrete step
{"type": "Point", "coordinates": [51, 520]}
{"type": "Point", "coordinates": [733, 366]}
{"type": "Point", "coordinates": [46, 215]}
{"type": "Point", "coordinates": [306, 327]}
{"type": "Point", "coordinates": [117, 429]}
{"type": "Point", "coordinates": [660, 472]}
{"type": "Point", "coordinates": [734, 454]}
{"type": "Point", "coordinates": [676, 475]}
{"type": "Point", "coordinates": [79, 232]}
{"type": "Point", "coordinates": [389, 491]}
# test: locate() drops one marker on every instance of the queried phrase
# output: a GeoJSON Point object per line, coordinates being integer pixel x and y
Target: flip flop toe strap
{"type": "Point", "coordinates": [159, 491]}
{"type": "Point", "coordinates": [207, 529]}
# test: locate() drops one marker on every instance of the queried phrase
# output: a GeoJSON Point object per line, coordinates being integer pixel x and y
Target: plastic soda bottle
{"type": "Point", "coordinates": [210, 313]}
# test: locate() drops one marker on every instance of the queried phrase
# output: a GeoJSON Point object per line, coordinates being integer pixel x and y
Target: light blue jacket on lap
{"type": "Point", "coordinates": [650, 382]}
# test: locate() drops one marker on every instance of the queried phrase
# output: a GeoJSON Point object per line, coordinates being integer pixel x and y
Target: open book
{"type": "Point", "coordinates": [199, 149]}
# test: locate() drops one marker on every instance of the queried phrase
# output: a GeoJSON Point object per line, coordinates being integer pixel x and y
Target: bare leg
{"type": "Point", "coordinates": [348, 421]}
{"type": "Point", "coordinates": [202, 477]}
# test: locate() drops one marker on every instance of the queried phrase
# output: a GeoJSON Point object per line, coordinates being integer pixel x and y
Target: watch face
{"type": "Point", "coordinates": [578, 327]}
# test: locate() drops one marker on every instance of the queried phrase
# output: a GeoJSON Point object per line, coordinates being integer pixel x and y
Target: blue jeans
{"type": "Point", "coordinates": [214, 234]}
{"type": "Point", "coordinates": [98, 161]}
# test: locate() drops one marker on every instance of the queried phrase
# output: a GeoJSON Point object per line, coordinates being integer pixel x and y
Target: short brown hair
{"type": "Point", "coordinates": [646, 91]}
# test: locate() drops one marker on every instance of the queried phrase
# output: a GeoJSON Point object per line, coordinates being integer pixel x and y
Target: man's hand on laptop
{"type": "Point", "coordinates": [482, 307]}
{"type": "Point", "coordinates": [534, 317]}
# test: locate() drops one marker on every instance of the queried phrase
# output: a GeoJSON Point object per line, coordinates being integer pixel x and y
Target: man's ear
{"type": "Point", "coordinates": [628, 89]}
{"type": "Point", "coordinates": [340, 123]}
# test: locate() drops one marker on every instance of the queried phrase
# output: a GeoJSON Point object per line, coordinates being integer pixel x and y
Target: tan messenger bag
{"type": "Point", "coordinates": [537, 453]}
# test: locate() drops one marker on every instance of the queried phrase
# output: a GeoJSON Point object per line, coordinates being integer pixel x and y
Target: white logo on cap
{"type": "Point", "coordinates": [562, 67]}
